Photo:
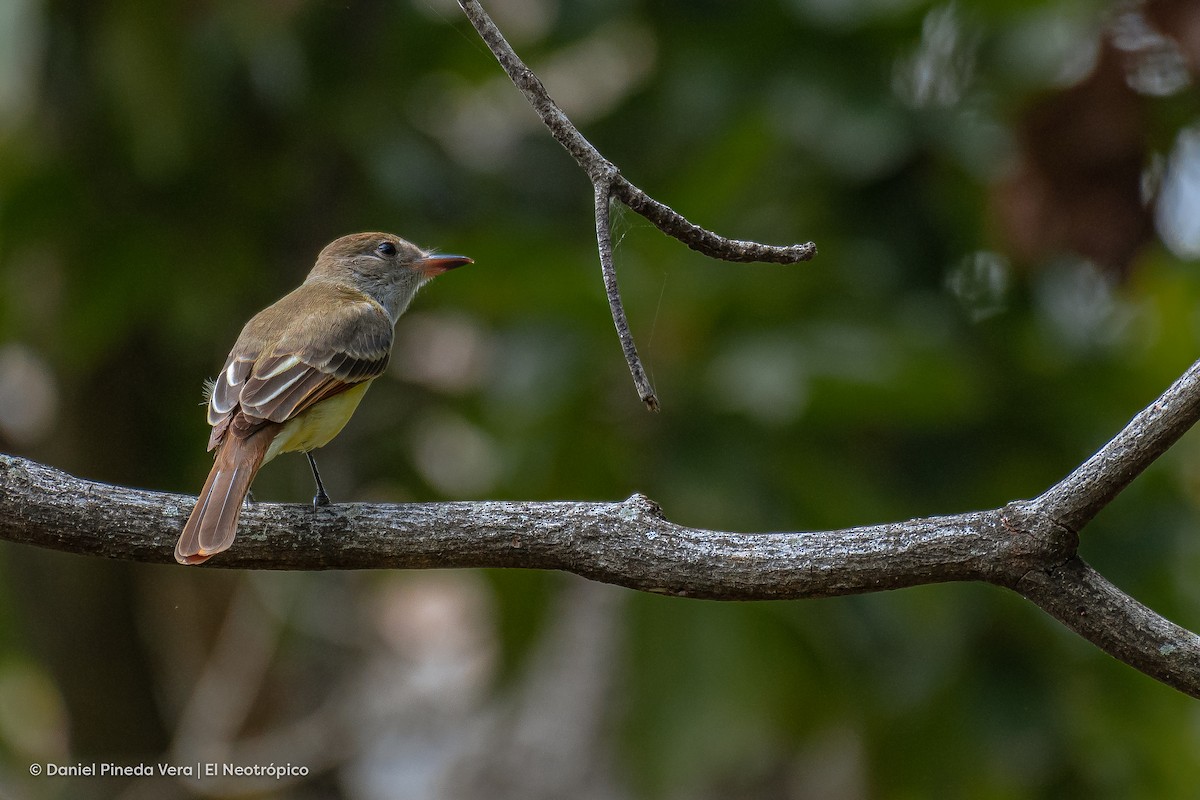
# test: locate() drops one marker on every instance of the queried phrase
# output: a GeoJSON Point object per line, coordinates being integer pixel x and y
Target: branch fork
{"type": "Point", "coordinates": [609, 184]}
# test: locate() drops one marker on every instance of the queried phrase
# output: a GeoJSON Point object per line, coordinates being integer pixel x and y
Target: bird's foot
{"type": "Point", "coordinates": [320, 499]}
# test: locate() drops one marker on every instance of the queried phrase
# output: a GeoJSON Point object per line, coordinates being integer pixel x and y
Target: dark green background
{"type": "Point", "coordinates": [167, 169]}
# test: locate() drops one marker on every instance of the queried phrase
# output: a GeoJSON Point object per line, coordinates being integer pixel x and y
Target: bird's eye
{"type": "Point", "coordinates": [386, 249]}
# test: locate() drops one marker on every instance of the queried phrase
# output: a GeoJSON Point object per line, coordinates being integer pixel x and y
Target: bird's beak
{"type": "Point", "coordinates": [435, 264]}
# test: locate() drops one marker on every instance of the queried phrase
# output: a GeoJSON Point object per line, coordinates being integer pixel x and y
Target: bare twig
{"type": "Point", "coordinates": [1077, 498]}
{"type": "Point", "coordinates": [1081, 599]}
{"type": "Point", "coordinates": [1028, 546]}
{"type": "Point", "coordinates": [606, 178]}
{"type": "Point", "coordinates": [608, 269]}
{"type": "Point", "coordinates": [600, 169]}
{"type": "Point", "coordinates": [595, 165]}
{"type": "Point", "coordinates": [704, 241]}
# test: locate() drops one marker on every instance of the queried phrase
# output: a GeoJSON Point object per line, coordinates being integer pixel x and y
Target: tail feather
{"type": "Point", "coordinates": [213, 524]}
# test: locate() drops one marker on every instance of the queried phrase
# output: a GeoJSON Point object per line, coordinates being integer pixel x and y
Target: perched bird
{"type": "Point", "coordinates": [298, 371]}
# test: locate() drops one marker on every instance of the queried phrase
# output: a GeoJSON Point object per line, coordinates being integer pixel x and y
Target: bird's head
{"type": "Point", "coordinates": [382, 265]}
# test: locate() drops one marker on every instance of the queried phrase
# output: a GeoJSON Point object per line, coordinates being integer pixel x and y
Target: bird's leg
{"type": "Point", "coordinates": [321, 499]}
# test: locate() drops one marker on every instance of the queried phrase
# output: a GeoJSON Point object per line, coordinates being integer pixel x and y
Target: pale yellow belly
{"type": "Point", "coordinates": [318, 425]}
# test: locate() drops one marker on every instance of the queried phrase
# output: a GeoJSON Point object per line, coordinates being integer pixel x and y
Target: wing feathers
{"type": "Point", "coordinates": [296, 396]}
{"type": "Point", "coordinates": [275, 365]}
{"type": "Point", "coordinates": [274, 381]}
{"type": "Point", "coordinates": [225, 391]}
{"type": "Point", "coordinates": [260, 390]}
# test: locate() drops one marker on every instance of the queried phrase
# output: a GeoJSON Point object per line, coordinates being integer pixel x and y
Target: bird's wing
{"type": "Point", "coordinates": [352, 345]}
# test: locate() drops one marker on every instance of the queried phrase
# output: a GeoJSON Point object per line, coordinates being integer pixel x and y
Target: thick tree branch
{"type": "Point", "coordinates": [1029, 546]}
{"type": "Point", "coordinates": [628, 543]}
{"type": "Point", "coordinates": [607, 180]}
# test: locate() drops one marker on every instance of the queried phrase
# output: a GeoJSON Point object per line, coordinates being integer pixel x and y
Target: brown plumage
{"type": "Point", "coordinates": [299, 369]}
{"type": "Point", "coordinates": [213, 523]}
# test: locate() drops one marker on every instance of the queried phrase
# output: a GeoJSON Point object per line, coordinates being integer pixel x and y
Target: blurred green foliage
{"type": "Point", "coordinates": [167, 169]}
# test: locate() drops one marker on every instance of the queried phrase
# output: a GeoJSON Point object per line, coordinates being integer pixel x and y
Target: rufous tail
{"type": "Point", "coordinates": [213, 524]}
